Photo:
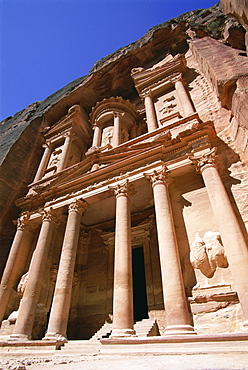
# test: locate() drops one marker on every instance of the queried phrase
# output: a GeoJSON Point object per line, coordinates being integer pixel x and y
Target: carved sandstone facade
{"type": "Point", "coordinates": [137, 207]}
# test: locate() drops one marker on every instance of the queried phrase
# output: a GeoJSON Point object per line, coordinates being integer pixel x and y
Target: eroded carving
{"type": "Point", "coordinates": [207, 253]}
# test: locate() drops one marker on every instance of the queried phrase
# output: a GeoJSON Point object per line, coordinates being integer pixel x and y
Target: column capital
{"type": "Point", "coordinates": [78, 206]}
{"type": "Point", "coordinates": [176, 78]}
{"type": "Point", "coordinates": [123, 188]}
{"type": "Point", "coordinates": [146, 93]}
{"type": "Point", "coordinates": [205, 161]}
{"type": "Point", "coordinates": [69, 134]}
{"type": "Point", "coordinates": [47, 145]}
{"type": "Point", "coordinates": [96, 125]}
{"type": "Point", "coordinates": [52, 215]}
{"type": "Point", "coordinates": [118, 114]}
{"type": "Point", "coordinates": [23, 221]}
{"type": "Point", "coordinates": [160, 176]}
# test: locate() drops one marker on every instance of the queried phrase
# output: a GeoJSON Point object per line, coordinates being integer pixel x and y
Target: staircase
{"type": "Point", "coordinates": [144, 328]}
{"type": "Point", "coordinates": [103, 332]}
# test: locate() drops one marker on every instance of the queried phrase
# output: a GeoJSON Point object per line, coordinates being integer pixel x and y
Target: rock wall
{"type": "Point", "coordinates": [216, 75]}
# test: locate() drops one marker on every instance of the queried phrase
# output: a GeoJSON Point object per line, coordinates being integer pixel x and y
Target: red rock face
{"type": "Point", "coordinates": [138, 161]}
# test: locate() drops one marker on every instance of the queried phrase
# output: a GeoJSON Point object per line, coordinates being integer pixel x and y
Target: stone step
{"type": "Point", "coordinates": [83, 347]}
{"type": "Point", "coordinates": [143, 328]}
{"type": "Point", "coordinates": [146, 328]}
{"type": "Point", "coordinates": [103, 332]}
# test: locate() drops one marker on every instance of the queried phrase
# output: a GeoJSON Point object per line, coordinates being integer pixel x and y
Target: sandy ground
{"type": "Point", "coordinates": [134, 362]}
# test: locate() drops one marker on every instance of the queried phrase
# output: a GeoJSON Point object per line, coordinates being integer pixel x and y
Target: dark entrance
{"type": "Point", "coordinates": [139, 284]}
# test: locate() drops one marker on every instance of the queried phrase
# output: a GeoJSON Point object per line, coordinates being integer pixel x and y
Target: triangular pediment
{"type": "Point", "coordinates": [98, 159]}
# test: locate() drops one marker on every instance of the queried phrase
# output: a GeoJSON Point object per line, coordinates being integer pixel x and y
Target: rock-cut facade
{"type": "Point", "coordinates": [128, 191]}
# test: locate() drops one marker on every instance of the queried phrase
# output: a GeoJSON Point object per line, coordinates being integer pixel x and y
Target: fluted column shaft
{"type": "Point", "coordinates": [229, 228]}
{"type": "Point", "coordinates": [123, 289]}
{"type": "Point", "coordinates": [65, 152]}
{"type": "Point", "coordinates": [16, 262]}
{"type": "Point", "coordinates": [177, 314]}
{"type": "Point", "coordinates": [58, 321]}
{"type": "Point", "coordinates": [151, 117]}
{"type": "Point", "coordinates": [117, 129]}
{"type": "Point", "coordinates": [97, 136]}
{"type": "Point", "coordinates": [26, 313]}
{"type": "Point", "coordinates": [184, 98]}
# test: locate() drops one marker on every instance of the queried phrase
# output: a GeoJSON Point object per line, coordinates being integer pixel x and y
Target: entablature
{"type": "Point", "coordinates": [95, 185]}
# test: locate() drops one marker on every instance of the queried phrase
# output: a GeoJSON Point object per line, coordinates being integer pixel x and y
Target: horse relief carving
{"type": "Point", "coordinates": [207, 253]}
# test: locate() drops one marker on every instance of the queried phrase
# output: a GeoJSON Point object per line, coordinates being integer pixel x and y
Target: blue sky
{"type": "Point", "coordinates": [45, 44]}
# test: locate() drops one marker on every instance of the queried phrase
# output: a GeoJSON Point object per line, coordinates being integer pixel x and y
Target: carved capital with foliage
{"type": "Point", "coordinates": [24, 223]}
{"type": "Point", "coordinates": [160, 176]}
{"type": "Point", "coordinates": [78, 206]}
{"type": "Point", "coordinates": [123, 188]}
{"type": "Point", "coordinates": [53, 216]}
{"type": "Point", "coordinates": [205, 161]}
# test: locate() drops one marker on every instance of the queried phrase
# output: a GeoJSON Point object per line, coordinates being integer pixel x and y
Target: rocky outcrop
{"type": "Point", "coordinates": [239, 10]}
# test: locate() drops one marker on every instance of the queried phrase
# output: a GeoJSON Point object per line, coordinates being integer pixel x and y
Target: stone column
{"type": "Point", "coordinates": [176, 308]}
{"type": "Point", "coordinates": [97, 136]}
{"type": "Point", "coordinates": [183, 97]}
{"type": "Point", "coordinates": [229, 228]}
{"type": "Point", "coordinates": [123, 289]}
{"type": "Point", "coordinates": [26, 313]}
{"type": "Point", "coordinates": [151, 117]}
{"type": "Point", "coordinates": [65, 152]}
{"type": "Point", "coordinates": [44, 162]}
{"type": "Point", "coordinates": [57, 326]}
{"type": "Point", "coordinates": [117, 129]}
{"type": "Point", "coordinates": [16, 261]}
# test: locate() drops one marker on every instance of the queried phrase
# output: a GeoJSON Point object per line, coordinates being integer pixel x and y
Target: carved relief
{"type": "Point", "coordinates": [206, 160]}
{"type": "Point", "coordinates": [123, 189]}
{"type": "Point", "coordinates": [207, 253]}
{"type": "Point", "coordinates": [22, 284]}
{"type": "Point", "coordinates": [169, 104]}
{"type": "Point", "coordinates": [215, 250]}
{"type": "Point", "coordinates": [107, 136]}
{"type": "Point", "coordinates": [159, 176]}
{"type": "Point", "coordinates": [78, 206]}
{"type": "Point", "coordinates": [53, 274]}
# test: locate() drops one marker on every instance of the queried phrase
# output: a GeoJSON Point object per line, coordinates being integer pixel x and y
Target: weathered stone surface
{"type": "Point", "coordinates": [136, 177]}
{"type": "Point", "coordinates": [212, 55]}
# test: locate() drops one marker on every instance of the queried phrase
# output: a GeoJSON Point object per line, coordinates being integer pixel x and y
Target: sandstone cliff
{"type": "Point", "coordinates": [22, 134]}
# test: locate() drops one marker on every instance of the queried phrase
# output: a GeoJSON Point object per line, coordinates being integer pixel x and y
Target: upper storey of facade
{"type": "Point", "coordinates": [161, 98]}
{"type": "Point", "coordinates": [160, 111]}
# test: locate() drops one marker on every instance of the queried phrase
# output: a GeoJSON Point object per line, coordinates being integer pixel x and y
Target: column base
{"type": "Point", "coordinates": [19, 337]}
{"type": "Point", "coordinates": [55, 337]}
{"type": "Point", "coordinates": [179, 330]}
{"type": "Point", "coordinates": [121, 333]}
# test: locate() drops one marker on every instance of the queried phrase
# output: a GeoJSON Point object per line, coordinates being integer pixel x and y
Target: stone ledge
{"type": "Point", "coordinates": [227, 337]}
{"type": "Point", "coordinates": [31, 344]}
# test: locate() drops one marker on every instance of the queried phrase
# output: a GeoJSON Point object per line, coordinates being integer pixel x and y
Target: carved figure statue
{"type": "Point", "coordinates": [168, 106]}
{"type": "Point", "coordinates": [199, 257]}
{"type": "Point", "coordinates": [215, 249]}
{"type": "Point", "coordinates": [207, 253]}
{"type": "Point", "coordinates": [22, 284]}
{"type": "Point", "coordinates": [107, 136]}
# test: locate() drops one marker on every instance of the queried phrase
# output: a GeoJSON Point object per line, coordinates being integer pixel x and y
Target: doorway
{"type": "Point", "coordinates": [139, 284]}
